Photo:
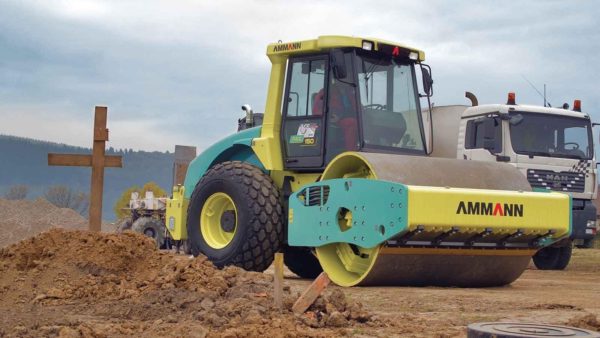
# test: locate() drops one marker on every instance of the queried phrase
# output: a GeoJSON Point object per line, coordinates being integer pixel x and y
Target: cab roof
{"type": "Point", "coordinates": [489, 108]}
{"type": "Point", "coordinates": [326, 42]}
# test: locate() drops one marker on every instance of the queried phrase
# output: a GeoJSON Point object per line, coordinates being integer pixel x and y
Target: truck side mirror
{"type": "Point", "coordinates": [515, 120]}
{"type": "Point", "coordinates": [338, 64]}
{"type": "Point", "coordinates": [596, 124]}
{"type": "Point", "coordinates": [487, 127]}
{"type": "Point", "coordinates": [427, 80]}
{"type": "Point", "coordinates": [489, 144]}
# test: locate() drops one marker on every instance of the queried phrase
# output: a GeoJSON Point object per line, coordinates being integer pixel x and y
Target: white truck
{"type": "Point", "coordinates": [552, 147]}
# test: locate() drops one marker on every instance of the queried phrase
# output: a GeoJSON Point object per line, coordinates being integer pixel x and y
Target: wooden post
{"type": "Point", "coordinates": [278, 280]}
{"type": "Point", "coordinates": [183, 156]}
{"type": "Point", "coordinates": [311, 293]}
{"type": "Point", "coordinates": [98, 161]}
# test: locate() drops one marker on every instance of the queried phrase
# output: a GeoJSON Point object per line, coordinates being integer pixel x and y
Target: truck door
{"type": "Point", "coordinates": [483, 139]}
{"type": "Point", "coordinates": [304, 112]}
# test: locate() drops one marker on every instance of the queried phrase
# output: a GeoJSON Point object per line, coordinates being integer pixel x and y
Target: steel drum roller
{"type": "Point", "coordinates": [349, 265]}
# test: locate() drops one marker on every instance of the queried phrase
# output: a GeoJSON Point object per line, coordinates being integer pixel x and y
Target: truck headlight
{"type": "Point", "coordinates": [171, 222]}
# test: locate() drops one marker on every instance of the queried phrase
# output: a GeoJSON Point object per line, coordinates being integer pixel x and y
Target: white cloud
{"type": "Point", "coordinates": [179, 70]}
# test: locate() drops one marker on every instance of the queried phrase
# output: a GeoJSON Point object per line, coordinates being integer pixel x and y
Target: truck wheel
{"type": "Point", "coordinates": [124, 224]}
{"type": "Point", "coordinates": [185, 247]}
{"type": "Point", "coordinates": [564, 257]}
{"type": "Point", "coordinates": [235, 216]}
{"type": "Point", "coordinates": [587, 244]}
{"type": "Point", "coordinates": [150, 227]}
{"type": "Point", "coordinates": [302, 262]}
{"type": "Point", "coordinates": [553, 258]}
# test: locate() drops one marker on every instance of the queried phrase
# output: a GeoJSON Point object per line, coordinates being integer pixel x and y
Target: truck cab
{"type": "Point", "coordinates": [552, 147]}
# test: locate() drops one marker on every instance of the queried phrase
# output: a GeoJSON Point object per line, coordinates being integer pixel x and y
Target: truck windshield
{"type": "Point", "coordinates": [389, 104]}
{"type": "Point", "coordinates": [552, 136]}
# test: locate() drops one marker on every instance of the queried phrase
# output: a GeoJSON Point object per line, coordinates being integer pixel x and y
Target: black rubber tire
{"type": "Point", "coordinates": [185, 247]}
{"type": "Point", "coordinates": [564, 257]}
{"type": "Point", "coordinates": [587, 244]}
{"type": "Point", "coordinates": [302, 262]}
{"type": "Point", "coordinates": [259, 231]}
{"type": "Point", "coordinates": [124, 224]}
{"type": "Point", "coordinates": [553, 258]}
{"type": "Point", "coordinates": [150, 227]}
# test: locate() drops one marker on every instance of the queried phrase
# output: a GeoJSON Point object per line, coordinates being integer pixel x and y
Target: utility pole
{"type": "Point", "coordinates": [545, 95]}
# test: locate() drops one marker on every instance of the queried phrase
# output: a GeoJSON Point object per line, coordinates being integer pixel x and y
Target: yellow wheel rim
{"type": "Point", "coordinates": [210, 220]}
{"type": "Point", "coordinates": [347, 264]}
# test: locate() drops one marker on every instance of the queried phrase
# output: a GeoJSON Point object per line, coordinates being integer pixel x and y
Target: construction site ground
{"type": "Point", "coordinates": [78, 284]}
{"type": "Point", "coordinates": [570, 297]}
{"type": "Point", "coordinates": [73, 283]}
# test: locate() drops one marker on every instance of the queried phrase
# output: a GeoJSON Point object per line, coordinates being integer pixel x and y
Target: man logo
{"type": "Point", "coordinates": [490, 209]}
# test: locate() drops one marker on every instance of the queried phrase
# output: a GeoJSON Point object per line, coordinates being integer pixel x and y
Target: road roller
{"type": "Point", "coordinates": [337, 174]}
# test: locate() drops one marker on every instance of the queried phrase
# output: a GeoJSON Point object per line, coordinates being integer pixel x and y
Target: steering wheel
{"type": "Point", "coordinates": [375, 106]}
{"type": "Point", "coordinates": [574, 144]}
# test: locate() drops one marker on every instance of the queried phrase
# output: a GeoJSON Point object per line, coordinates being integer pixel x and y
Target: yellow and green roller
{"type": "Point", "coordinates": [336, 175]}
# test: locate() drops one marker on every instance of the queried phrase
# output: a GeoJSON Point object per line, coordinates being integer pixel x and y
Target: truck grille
{"type": "Point", "coordinates": [558, 181]}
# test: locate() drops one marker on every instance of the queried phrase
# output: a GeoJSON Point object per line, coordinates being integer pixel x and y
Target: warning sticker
{"type": "Point", "coordinates": [307, 129]}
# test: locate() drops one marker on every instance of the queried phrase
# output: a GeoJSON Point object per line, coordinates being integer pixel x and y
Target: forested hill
{"type": "Point", "coordinates": [24, 161]}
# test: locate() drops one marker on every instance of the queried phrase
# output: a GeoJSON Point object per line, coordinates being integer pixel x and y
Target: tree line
{"type": "Point", "coordinates": [24, 161]}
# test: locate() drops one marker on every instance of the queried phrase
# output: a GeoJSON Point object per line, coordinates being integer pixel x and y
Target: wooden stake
{"type": "Point", "coordinates": [98, 161]}
{"type": "Point", "coordinates": [309, 295]}
{"type": "Point", "coordinates": [278, 280]}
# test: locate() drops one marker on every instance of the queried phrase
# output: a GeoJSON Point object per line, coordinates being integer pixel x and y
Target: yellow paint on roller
{"type": "Point", "coordinates": [504, 211]}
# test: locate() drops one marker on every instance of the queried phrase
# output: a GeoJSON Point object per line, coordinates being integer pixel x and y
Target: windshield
{"type": "Point", "coordinates": [388, 98]}
{"type": "Point", "coordinates": [552, 135]}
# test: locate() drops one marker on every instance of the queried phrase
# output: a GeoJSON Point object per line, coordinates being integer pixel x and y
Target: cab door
{"type": "Point", "coordinates": [304, 111]}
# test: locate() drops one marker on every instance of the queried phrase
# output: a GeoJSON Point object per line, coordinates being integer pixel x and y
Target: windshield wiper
{"type": "Point", "coordinates": [547, 154]}
{"type": "Point", "coordinates": [569, 156]}
{"type": "Point", "coordinates": [537, 153]}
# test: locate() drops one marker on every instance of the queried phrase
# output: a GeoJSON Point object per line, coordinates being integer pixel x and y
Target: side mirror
{"type": "Point", "coordinates": [338, 64]}
{"type": "Point", "coordinates": [489, 132]}
{"type": "Point", "coordinates": [427, 80]}
{"type": "Point", "coordinates": [515, 120]}
{"type": "Point", "coordinates": [593, 125]}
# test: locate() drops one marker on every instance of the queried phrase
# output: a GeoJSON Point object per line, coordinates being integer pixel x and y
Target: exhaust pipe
{"type": "Point", "coordinates": [249, 115]}
{"type": "Point", "coordinates": [473, 98]}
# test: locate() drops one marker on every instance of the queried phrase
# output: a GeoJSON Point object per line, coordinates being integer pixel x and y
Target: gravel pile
{"type": "Point", "coordinates": [21, 219]}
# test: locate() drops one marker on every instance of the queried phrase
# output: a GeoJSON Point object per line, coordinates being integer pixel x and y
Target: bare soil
{"type": "Point", "coordinates": [80, 284]}
{"type": "Point", "coordinates": [570, 297]}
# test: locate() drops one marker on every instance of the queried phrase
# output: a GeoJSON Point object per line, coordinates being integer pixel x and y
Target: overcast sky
{"type": "Point", "coordinates": [177, 72]}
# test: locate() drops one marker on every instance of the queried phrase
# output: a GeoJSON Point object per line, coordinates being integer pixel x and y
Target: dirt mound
{"type": "Point", "coordinates": [587, 321]}
{"type": "Point", "coordinates": [25, 218]}
{"type": "Point", "coordinates": [76, 283]}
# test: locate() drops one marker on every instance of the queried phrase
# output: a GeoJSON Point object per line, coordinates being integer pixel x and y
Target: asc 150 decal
{"type": "Point", "coordinates": [490, 209]}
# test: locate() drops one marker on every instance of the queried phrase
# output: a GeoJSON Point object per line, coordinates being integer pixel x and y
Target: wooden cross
{"type": "Point", "coordinates": [98, 161]}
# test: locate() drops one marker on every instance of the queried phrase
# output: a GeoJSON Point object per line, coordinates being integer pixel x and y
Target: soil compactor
{"type": "Point", "coordinates": [337, 176]}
